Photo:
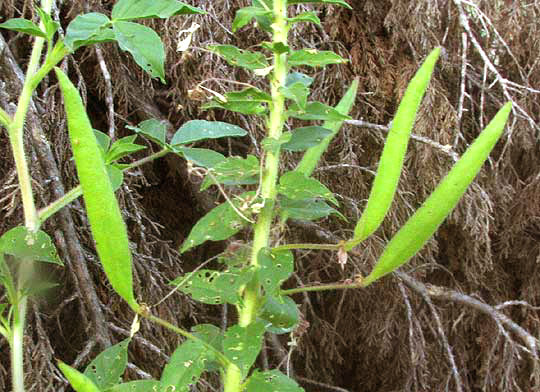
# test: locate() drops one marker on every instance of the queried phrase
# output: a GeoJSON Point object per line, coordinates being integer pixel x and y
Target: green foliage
{"type": "Point", "coordinates": [271, 381]}
{"type": "Point", "coordinates": [281, 313]}
{"type": "Point", "coordinates": [25, 245]}
{"type": "Point", "coordinates": [78, 381]}
{"type": "Point", "coordinates": [296, 186]}
{"type": "Point", "coordinates": [197, 130]}
{"type": "Point", "coordinates": [23, 26]}
{"type": "Point", "coordinates": [306, 137]}
{"type": "Point", "coordinates": [274, 268]}
{"type": "Point", "coordinates": [314, 58]}
{"type": "Point", "coordinates": [152, 129]}
{"type": "Point", "coordinates": [241, 345]}
{"type": "Point", "coordinates": [143, 9]}
{"type": "Point", "coordinates": [239, 57]}
{"type": "Point", "coordinates": [234, 171]}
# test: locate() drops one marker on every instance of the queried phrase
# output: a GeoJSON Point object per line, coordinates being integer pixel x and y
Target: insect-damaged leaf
{"type": "Point", "coordinates": [22, 244]}
{"type": "Point", "coordinates": [242, 345]}
{"type": "Point", "coordinates": [108, 367]}
{"type": "Point", "coordinates": [275, 268]}
{"type": "Point", "coordinates": [271, 381]}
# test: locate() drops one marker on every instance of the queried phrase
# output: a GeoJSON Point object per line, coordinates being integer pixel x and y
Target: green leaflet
{"type": "Point", "coordinates": [425, 221]}
{"type": "Point", "coordinates": [389, 170]}
{"type": "Point", "coordinates": [313, 155]}
{"type": "Point", "coordinates": [106, 223]}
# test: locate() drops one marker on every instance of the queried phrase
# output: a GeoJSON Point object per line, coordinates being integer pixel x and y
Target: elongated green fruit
{"type": "Point", "coordinates": [78, 381]}
{"type": "Point", "coordinates": [313, 155]}
{"type": "Point", "coordinates": [108, 228]}
{"type": "Point", "coordinates": [425, 221]}
{"type": "Point", "coordinates": [391, 163]}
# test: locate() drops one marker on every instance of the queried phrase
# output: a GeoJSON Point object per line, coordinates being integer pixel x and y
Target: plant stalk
{"type": "Point", "coordinates": [262, 227]}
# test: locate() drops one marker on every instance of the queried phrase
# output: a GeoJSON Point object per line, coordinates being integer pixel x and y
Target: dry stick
{"type": "Point", "coordinates": [321, 384]}
{"type": "Point", "coordinates": [108, 91]}
{"type": "Point", "coordinates": [411, 334]}
{"type": "Point", "coordinates": [445, 149]}
{"type": "Point", "coordinates": [462, 90]}
{"type": "Point", "coordinates": [464, 21]}
{"type": "Point", "coordinates": [454, 296]}
{"type": "Point", "coordinates": [11, 72]}
{"type": "Point", "coordinates": [149, 346]}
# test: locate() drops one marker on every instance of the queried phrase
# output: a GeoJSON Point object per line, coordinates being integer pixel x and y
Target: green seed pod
{"type": "Point", "coordinates": [425, 221]}
{"type": "Point", "coordinates": [391, 163]}
{"type": "Point", "coordinates": [108, 228]}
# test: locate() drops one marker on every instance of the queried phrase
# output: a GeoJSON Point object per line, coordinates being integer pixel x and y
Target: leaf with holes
{"type": "Point", "coordinates": [107, 368]}
{"type": "Point", "coordinates": [296, 186]}
{"type": "Point", "coordinates": [144, 45]}
{"type": "Point", "coordinates": [214, 287]}
{"type": "Point", "coordinates": [234, 171]}
{"type": "Point", "coordinates": [248, 101]}
{"type": "Point", "coordinates": [153, 129]}
{"type": "Point", "coordinates": [314, 58]}
{"type": "Point", "coordinates": [141, 9]}
{"type": "Point", "coordinates": [219, 224]}
{"type": "Point", "coordinates": [88, 29]}
{"type": "Point", "coordinates": [275, 268]}
{"type": "Point", "coordinates": [316, 111]}
{"type": "Point", "coordinates": [213, 336]}
{"type": "Point", "coordinates": [139, 386]}
{"type": "Point", "coordinates": [241, 345]}
{"type": "Point", "coordinates": [307, 209]}
{"type": "Point", "coordinates": [306, 137]}
{"type": "Point", "coordinates": [239, 57]}
{"type": "Point", "coordinates": [23, 26]}
{"type": "Point", "coordinates": [281, 313]}
{"type": "Point", "coordinates": [271, 381]}
{"type": "Point", "coordinates": [196, 130]}
{"type": "Point", "coordinates": [200, 156]}
{"type": "Point", "coordinates": [22, 244]}
{"type": "Point", "coordinates": [186, 366]}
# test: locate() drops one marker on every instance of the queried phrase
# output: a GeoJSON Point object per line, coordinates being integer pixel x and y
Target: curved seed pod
{"type": "Point", "coordinates": [313, 155]}
{"type": "Point", "coordinates": [108, 228]}
{"type": "Point", "coordinates": [425, 221]}
{"type": "Point", "coordinates": [389, 170]}
{"type": "Point", "coordinates": [78, 381]}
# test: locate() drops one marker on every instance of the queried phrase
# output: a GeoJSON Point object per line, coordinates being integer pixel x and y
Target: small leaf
{"type": "Point", "coordinates": [239, 57]}
{"type": "Point", "coordinates": [306, 137]}
{"type": "Point", "coordinates": [122, 148]}
{"type": "Point", "coordinates": [309, 209]}
{"type": "Point", "coordinates": [391, 162]}
{"type": "Point", "coordinates": [107, 368]}
{"type": "Point", "coordinates": [313, 155]}
{"type": "Point", "coordinates": [196, 130]}
{"type": "Point", "coordinates": [426, 220]}
{"type": "Point", "coordinates": [88, 29]}
{"type": "Point", "coordinates": [316, 111]}
{"type": "Point", "coordinates": [23, 26]}
{"type": "Point", "coordinates": [310, 17]}
{"type": "Point", "coordinates": [22, 244]}
{"type": "Point", "coordinates": [144, 45]}
{"type": "Point", "coordinates": [214, 287]}
{"type": "Point", "coordinates": [244, 15]}
{"type": "Point", "coordinates": [78, 381]}
{"type": "Point", "coordinates": [271, 381]}
{"type": "Point", "coordinates": [276, 47]}
{"type": "Point", "coordinates": [248, 101]}
{"type": "Point", "coordinates": [297, 77]}
{"type": "Point", "coordinates": [234, 171]}
{"type": "Point", "coordinates": [296, 186]}
{"type": "Point", "coordinates": [139, 386]}
{"type": "Point", "coordinates": [242, 345]}
{"type": "Point", "coordinates": [153, 129]}
{"type": "Point", "coordinates": [314, 58]}
{"type": "Point", "coordinates": [273, 145]}
{"type": "Point", "coordinates": [264, 21]}
{"type": "Point", "coordinates": [116, 176]}
{"type": "Point", "coordinates": [185, 366]}
{"type": "Point", "coordinates": [219, 224]}
{"type": "Point", "coordinates": [51, 26]}
{"type": "Point", "coordinates": [200, 156]}
{"type": "Point", "coordinates": [141, 9]}
{"type": "Point", "coordinates": [297, 92]}
{"type": "Point", "coordinates": [336, 2]}
{"type": "Point", "coordinates": [275, 268]}
{"type": "Point", "coordinates": [281, 313]}
{"type": "Point", "coordinates": [104, 141]}
{"type": "Point", "coordinates": [108, 228]}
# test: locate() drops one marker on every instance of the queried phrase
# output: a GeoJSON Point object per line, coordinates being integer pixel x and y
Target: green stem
{"type": "Point", "coordinates": [323, 287]}
{"type": "Point", "coordinates": [16, 345]}
{"type": "Point", "coordinates": [5, 118]}
{"type": "Point", "coordinates": [46, 212]}
{"type": "Point", "coordinates": [261, 237]}
{"type": "Point", "coordinates": [308, 246]}
{"type": "Point", "coordinates": [143, 312]}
